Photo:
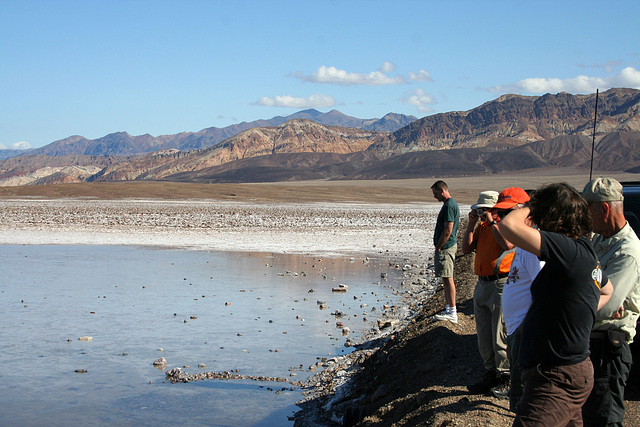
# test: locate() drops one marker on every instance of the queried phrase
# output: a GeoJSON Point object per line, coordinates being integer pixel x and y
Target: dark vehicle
{"type": "Point", "coordinates": [631, 192]}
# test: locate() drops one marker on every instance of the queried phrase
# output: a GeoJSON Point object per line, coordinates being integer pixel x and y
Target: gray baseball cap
{"type": "Point", "coordinates": [603, 190]}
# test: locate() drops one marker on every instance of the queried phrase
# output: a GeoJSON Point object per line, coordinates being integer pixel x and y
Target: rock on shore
{"type": "Point", "coordinates": [415, 376]}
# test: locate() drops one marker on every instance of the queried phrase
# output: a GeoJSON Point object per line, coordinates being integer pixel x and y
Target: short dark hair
{"type": "Point", "coordinates": [561, 209]}
{"type": "Point", "coordinates": [439, 185]}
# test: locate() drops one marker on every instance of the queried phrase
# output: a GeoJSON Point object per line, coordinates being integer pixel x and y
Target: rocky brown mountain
{"type": "Point", "coordinates": [8, 153]}
{"type": "Point", "coordinates": [295, 136]}
{"type": "Point", "coordinates": [282, 167]}
{"type": "Point", "coordinates": [511, 133]}
{"type": "Point", "coordinates": [39, 169]}
{"type": "Point", "coordinates": [561, 152]}
{"type": "Point", "coordinates": [521, 119]}
{"type": "Point", "coordinates": [123, 144]}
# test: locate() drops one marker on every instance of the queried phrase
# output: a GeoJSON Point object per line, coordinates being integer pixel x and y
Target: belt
{"type": "Point", "coordinates": [599, 335]}
{"type": "Point", "coordinates": [602, 334]}
{"type": "Point", "coordinates": [494, 277]}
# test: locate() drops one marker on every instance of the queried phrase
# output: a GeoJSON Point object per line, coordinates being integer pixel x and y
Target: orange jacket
{"type": "Point", "coordinates": [491, 259]}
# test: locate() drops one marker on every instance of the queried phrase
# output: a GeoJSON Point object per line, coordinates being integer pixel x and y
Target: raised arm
{"type": "Point", "coordinates": [515, 229]}
{"type": "Point", "coordinates": [468, 240]}
{"type": "Point", "coordinates": [504, 244]}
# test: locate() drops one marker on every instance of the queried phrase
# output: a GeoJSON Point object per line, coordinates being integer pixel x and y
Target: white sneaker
{"type": "Point", "coordinates": [451, 317]}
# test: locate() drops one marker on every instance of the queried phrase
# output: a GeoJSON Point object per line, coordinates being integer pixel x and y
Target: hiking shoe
{"type": "Point", "coordinates": [501, 391]}
{"type": "Point", "coordinates": [451, 317]}
{"type": "Point", "coordinates": [490, 380]}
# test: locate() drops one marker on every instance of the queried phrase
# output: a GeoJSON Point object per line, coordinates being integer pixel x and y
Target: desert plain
{"type": "Point", "coordinates": [322, 217]}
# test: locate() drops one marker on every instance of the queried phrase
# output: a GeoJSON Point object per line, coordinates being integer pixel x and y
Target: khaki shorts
{"type": "Point", "coordinates": [444, 261]}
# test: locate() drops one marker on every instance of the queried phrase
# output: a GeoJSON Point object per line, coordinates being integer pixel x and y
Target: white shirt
{"type": "Point", "coordinates": [516, 296]}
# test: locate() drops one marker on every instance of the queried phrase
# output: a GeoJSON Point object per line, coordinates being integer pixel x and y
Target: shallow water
{"type": "Point", "coordinates": [251, 312]}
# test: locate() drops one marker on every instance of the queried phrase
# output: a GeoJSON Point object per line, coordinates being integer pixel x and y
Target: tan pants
{"type": "Point", "coordinates": [492, 332]}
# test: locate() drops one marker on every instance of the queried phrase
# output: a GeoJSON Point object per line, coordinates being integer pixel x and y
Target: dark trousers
{"type": "Point", "coordinates": [554, 395]}
{"type": "Point", "coordinates": [611, 359]}
{"type": "Point", "coordinates": [513, 350]}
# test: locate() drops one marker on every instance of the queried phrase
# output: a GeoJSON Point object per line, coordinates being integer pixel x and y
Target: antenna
{"type": "Point", "coordinates": [593, 139]}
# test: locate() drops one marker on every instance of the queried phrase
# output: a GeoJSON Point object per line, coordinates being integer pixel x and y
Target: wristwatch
{"type": "Point", "coordinates": [494, 222]}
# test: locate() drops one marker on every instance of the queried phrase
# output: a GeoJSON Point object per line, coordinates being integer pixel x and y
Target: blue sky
{"type": "Point", "coordinates": [95, 67]}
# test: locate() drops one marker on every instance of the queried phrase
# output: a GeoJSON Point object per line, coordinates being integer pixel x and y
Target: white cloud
{"type": "Point", "coordinates": [628, 77]}
{"type": "Point", "coordinates": [420, 76]}
{"type": "Point", "coordinates": [388, 67]}
{"type": "Point", "coordinates": [420, 99]}
{"type": "Point", "coordinates": [22, 145]}
{"type": "Point", "coordinates": [380, 77]}
{"type": "Point", "coordinates": [334, 75]}
{"type": "Point", "coordinates": [313, 101]}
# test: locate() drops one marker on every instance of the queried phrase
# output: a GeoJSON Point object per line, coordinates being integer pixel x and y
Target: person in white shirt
{"type": "Point", "coordinates": [516, 300]}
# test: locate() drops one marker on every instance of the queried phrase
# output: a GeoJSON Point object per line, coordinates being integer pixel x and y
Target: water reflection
{"type": "Point", "coordinates": [224, 310]}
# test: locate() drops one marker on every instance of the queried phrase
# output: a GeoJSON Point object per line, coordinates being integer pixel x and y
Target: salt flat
{"type": "Point", "coordinates": [319, 217]}
{"type": "Point", "coordinates": [317, 228]}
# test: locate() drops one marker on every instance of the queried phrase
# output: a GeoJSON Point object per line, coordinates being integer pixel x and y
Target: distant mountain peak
{"type": "Point", "coordinates": [509, 96]}
{"type": "Point", "coordinates": [310, 111]}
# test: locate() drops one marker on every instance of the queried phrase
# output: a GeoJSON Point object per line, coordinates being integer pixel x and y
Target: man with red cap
{"type": "Point", "coordinates": [494, 255]}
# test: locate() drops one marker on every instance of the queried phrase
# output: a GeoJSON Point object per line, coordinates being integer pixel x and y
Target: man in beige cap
{"type": "Point", "coordinates": [618, 249]}
{"type": "Point", "coordinates": [492, 263]}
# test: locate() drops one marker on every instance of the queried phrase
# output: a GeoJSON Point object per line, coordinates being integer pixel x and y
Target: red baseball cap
{"type": "Point", "coordinates": [510, 197]}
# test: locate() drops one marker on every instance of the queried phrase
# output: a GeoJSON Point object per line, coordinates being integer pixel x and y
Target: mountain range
{"type": "Point", "coordinates": [510, 133]}
{"type": "Point", "coordinates": [515, 119]}
{"type": "Point", "coordinates": [123, 144]}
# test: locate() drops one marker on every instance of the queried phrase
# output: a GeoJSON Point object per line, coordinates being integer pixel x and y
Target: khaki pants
{"type": "Point", "coordinates": [492, 332]}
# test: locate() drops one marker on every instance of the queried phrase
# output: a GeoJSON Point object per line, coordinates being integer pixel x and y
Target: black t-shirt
{"type": "Point", "coordinates": [565, 297]}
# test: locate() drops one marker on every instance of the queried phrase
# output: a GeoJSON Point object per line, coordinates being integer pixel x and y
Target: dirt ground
{"type": "Point", "coordinates": [464, 189]}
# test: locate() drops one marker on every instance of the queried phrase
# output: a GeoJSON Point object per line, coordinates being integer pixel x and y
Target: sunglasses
{"type": "Point", "coordinates": [499, 212]}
